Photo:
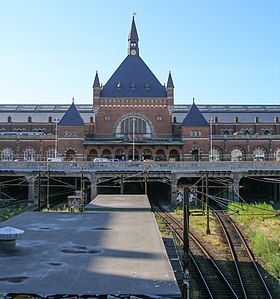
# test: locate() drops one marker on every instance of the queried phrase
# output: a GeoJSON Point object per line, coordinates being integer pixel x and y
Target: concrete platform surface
{"type": "Point", "coordinates": [119, 202]}
{"type": "Point", "coordinates": [87, 253]}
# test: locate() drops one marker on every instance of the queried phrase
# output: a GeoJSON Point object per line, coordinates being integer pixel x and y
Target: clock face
{"type": "Point", "coordinates": [133, 52]}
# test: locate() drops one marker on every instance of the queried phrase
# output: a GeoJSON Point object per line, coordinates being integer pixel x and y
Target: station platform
{"type": "Point", "coordinates": [119, 202]}
{"type": "Point", "coordinates": [87, 254]}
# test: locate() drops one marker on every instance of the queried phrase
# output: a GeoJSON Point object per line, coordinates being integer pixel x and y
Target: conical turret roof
{"type": "Point", "coordinates": [72, 117]}
{"type": "Point", "coordinates": [194, 118]}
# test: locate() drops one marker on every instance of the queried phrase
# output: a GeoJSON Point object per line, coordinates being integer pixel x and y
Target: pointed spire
{"type": "Point", "coordinates": [133, 40]}
{"type": "Point", "coordinates": [194, 118]}
{"type": "Point", "coordinates": [96, 81]}
{"type": "Point", "coordinates": [170, 81]}
{"type": "Point", "coordinates": [96, 86]}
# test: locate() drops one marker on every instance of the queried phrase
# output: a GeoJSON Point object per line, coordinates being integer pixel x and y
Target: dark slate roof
{"type": "Point", "coordinates": [170, 81]}
{"type": "Point", "coordinates": [96, 82]}
{"type": "Point", "coordinates": [132, 79]}
{"type": "Point", "coordinates": [194, 118]}
{"type": "Point", "coordinates": [72, 117]}
{"type": "Point", "coordinates": [133, 32]}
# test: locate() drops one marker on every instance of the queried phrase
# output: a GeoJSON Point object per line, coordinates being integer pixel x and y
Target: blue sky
{"type": "Point", "coordinates": [218, 51]}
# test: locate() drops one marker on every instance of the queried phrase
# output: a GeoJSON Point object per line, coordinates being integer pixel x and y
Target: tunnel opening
{"type": "Point", "coordinates": [260, 189]}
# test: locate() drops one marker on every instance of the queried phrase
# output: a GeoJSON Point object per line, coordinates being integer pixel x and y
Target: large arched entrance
{"type": "Point", "coordinates": [133, 157]}
{"type": "Point", "coordinates": [92, 155]}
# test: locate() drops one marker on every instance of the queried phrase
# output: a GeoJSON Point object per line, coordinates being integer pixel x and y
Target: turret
{"type": "Point", "coordinates": [96, 86]}
{"type": "Point", "coordinates": [170, 86]}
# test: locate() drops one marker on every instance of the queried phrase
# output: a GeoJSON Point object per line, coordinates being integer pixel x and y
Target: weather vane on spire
{"type": "Point", "coordinates": [134, 13]}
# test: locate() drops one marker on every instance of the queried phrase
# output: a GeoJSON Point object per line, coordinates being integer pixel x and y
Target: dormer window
{"type": "Point", "coordinates": [119, 86]}
{"type": "Point", "coordinates": [147, 86]}
{"type": "Point", "coordinates": [29, 119]}
{"type": "Point", "coordinates": [133, 86]}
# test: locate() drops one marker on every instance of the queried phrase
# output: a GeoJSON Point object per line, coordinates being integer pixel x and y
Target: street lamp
{"type": "Point", "coordinates": [133, 138]}
{"type": "Point", "coordinates": [56, 120]}
{"type": "Point", "coordinates": [211, 139]}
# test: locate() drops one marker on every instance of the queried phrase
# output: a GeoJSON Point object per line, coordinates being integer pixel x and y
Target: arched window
{"type": "Point", "coordinates": [277, 155]}
{"type": "Point", "coordinates": [195, 155]}
{"type": "Point", "coordinates": [226, 132]}
{"type": "Point", "coordinates": [70, 155]}
{"type": "Point", "coordinates": [215, 155]}
{"type": "Point", "coordinates": [106, 154]}
{"type": "Point", "coordinates": [120, 154]}
{"type": "Point", "coordinates": [174, 155]}
{"type": "Point", "coordinates": [50, 153]}
{"type": "Point", "coordinates": [92, 155]}
{"type": "Point", "coordinates": [236, 155]}
{"type": "Point", "coordinates": [259, 154]}
{"type": "Point", "coordinates": [29, 154]}
{"type": "Point", "coordinates": [147, 155]}
{"type": "Point", "coordinates": [7, 154]}
{"type": "Point", "coordinates": [133, 127]}
{"type": "Point", "coordinates": [160, 155]}
{"type": "Point", "coordinates": [133, 157]}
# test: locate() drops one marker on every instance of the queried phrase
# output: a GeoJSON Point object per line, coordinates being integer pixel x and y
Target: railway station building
{"type": "Point", "coordinates": [133, 116]}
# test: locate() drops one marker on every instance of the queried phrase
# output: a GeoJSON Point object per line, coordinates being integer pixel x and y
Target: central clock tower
{"type": "Point", "coordinates": [133, 40]}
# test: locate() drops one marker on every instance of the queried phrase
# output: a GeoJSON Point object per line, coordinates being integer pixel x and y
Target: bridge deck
{"type": "Point", "coordinates": [87, 254]}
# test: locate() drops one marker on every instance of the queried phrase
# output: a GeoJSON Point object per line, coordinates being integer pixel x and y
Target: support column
{"type": "Point", "coordinates": [236, 188]}
{"type": "Point", "coordinates": [93, 187]}
{"type": "Point", "coordinates": [32, 196]}
{"type": "Point", "coordinates": [173, 188]}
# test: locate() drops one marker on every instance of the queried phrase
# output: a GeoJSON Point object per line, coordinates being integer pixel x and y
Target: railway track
{"type": "Point", "coordinates": [211, 281]}
{"type": "Point", "coordinates": [235, 277]}
{"type": "Point", "coordinates": [251, 282]}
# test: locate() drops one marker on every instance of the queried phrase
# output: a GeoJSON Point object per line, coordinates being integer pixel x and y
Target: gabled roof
{"type": "Point", "coordinates": [72, 117]}
{"type": "Point", "coordinates": [194, 118]}
{"type": "Point", "coordinates": [132, 79]}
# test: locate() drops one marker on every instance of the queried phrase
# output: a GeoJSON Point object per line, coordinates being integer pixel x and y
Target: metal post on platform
{"type": "Point", "coordinates": [48, 187]}
{"type": "Point", "coordinates": [146, 182]}
{"type": "Point", "coordinates": [39, 191]}
{"type": "Point", "coordinates": [82, 190]}
{"type": "Point", "coordinates": [122, 186]}
{"type": "Point", "coordinates": [186, 248]}
{"type": "Point", "coordinates": [207, 205]}
{"type": "Point", "coordinates": [202, 194]}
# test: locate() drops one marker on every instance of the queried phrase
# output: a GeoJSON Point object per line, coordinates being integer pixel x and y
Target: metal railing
{"type": "Point", "coordinates": [7, 168]}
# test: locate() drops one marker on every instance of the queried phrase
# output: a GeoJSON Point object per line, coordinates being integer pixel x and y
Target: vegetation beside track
{"type": "Point", "coordinates": [9, 212]}
{"type": "Point", "coordinates": [261, 225]}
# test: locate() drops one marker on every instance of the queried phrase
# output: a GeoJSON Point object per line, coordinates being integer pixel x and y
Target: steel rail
{"type": "Point", "coordinates": [206, 253]}
{"type": "Point", "coordinates": [233, 254]}
{"type": "Point", "coordinates": [181, 241]}
{"type": "Point", "coordinates": [251, 256]}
